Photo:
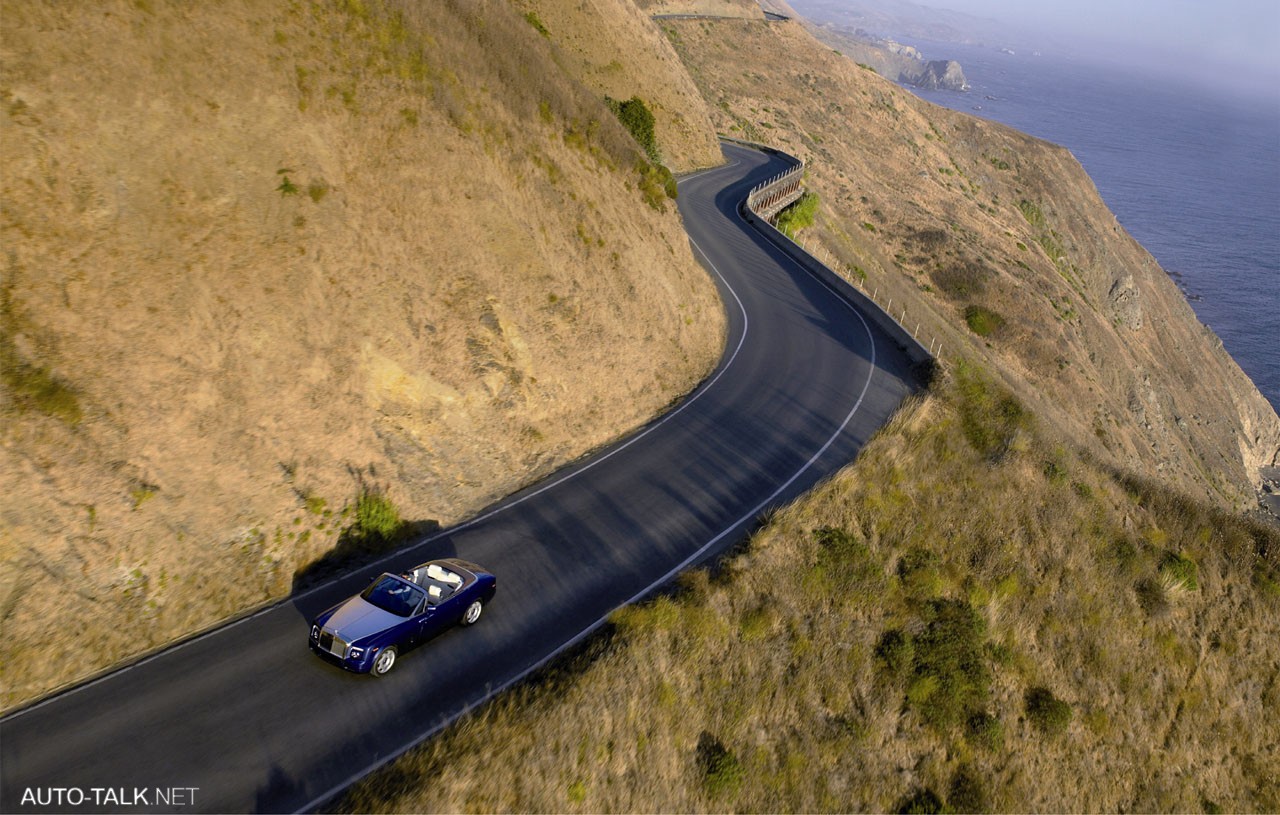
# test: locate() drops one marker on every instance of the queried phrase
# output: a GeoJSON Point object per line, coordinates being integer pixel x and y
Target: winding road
{"type": "Point", "coordinates": [245, 718]}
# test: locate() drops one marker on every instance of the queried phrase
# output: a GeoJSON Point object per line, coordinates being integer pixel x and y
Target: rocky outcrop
{"type": "Point", "coordinates": [901, 63]}
{"type": "Point", "coordinates": [938, 75]}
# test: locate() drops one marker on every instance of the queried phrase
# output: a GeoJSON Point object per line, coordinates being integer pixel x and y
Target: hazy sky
{"type": "Point", "coordinates": [1227, 35]}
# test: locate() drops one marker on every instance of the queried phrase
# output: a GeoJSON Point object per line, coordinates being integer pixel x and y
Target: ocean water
{"type": "Point", "coordinates": [1193, 174]}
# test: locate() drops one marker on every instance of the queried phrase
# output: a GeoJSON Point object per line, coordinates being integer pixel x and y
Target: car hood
{"type": "Point", "coordinates": [357, 618]}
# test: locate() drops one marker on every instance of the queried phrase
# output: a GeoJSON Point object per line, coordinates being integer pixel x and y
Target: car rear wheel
{"type": "Point", "coordinates": [384, 661]}
{"type": "Point", "coordinates": [472, 613]}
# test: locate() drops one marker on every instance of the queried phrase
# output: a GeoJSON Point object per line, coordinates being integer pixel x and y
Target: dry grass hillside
{"type": "Point", "coordinates": [746, 9]}
{"type": "Point", "coordinates": [998, 244]}
{"type": "Point", "coordinates": [933, 630]}
{"type": "Point", "coordinates": [621, 53]}
{"type": "Point", "coordinates": [262, 258]}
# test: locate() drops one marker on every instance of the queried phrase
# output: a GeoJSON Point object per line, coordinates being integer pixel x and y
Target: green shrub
{"type": "Point", "coordinates": [377, 518]}
{"type": "Point", "coordinates": [286, 187]}
{"type": "Point", "coordinates": [638, 120]}
{"type": "Point", "coordinates": [1032, 212]}
{"type": "Point", "coordinates": [532, 19]}
{"type": "Point", "coordinates": [1181, 569]}
{"type": "Point", "coordinates": [656, 184]}
{"type": "Point", "coordinates": [721, 771]}
{"type": "Point", "coordinates": [35, 387]}
{"type": "Point", "coordinates": [990, 416]}
{"type": "Point", "coordinates": [920, 572]}
{"type": "Point", "coordinates": [798, 215]}
{"type": "Point", "coordinates": [949, 654]}
{"type": "Point", "coordinates": [967, 793]}
{"type": "Point", "coordinates": [961, 281]}
{"type": "Point", "coordinates": [986, 731]}
{"type": "Point", "coordinates": [982, 321]}
{"type": "Point", "coordinates": [895, 653]}
{"type": "Point", "coordinates": [1048, 713]}
{"type": "Point", "coordinates": [843, 556]}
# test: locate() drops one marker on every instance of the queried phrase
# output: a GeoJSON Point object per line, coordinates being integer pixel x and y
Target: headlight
{"type": "Point", "coordinates": [315, 632]}
{"type": "Point", "coordinates": [356, 653]}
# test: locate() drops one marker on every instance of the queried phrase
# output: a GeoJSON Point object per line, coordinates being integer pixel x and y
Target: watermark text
{"type": "Point", "coordinates": [123, 797]}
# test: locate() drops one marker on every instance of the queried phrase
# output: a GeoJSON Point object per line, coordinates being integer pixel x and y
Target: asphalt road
{"type": "Point", "coordinates": [245, 718]}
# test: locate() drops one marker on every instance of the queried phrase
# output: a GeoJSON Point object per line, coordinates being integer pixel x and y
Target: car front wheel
{"type": "Point", "coordinates": [384, 661]}
{"type": "Point", "coordinates": [472, 613]}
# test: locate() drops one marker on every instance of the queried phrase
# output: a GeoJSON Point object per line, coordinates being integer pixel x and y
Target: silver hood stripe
{"type": "Point", "coordinates": [357, 618]}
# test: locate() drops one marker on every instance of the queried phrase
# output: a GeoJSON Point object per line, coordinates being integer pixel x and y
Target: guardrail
{"type": "Point", "coordinates": [776, 194]}
{"type": "Point", "coordinates": [762, 205]}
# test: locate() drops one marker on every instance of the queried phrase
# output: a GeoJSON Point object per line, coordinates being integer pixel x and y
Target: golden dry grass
{"type": "Point", "coordinates": [620, 53]}
{"type": "Point", "coordinates": [262, 255]}
{"type": "Point", "coordinates": [775, 664]}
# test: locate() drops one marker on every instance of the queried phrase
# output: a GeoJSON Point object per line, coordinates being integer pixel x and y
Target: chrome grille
{"type": "Point", "coordinates": [333, 644]}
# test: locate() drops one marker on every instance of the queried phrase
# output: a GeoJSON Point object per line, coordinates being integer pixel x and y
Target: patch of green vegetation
{"type": "Point", "coordinates": [986, 731]}
{"type": "Point", "coordinates": [950, 678]}
{"type": "Point", "coordinates": [141, 494]}
{"type": "Point", "coordinates": [37, 388]}
{"type": "Point", "coordinates": [982, 321]}
{"type": "Point", "coordinates": [998, 163]}
{"type": "Point", "coordinates": [656, 185]}
{"type": "Point", "coordinates": [1032, 212]}
{"type": "Point", "coordinates": [895, 653]}
{"type": "Point", "coordinates": [722, 772]}
{"type": "Point", "coordinates": [864, 66]}
{"type": "Point", "coordinates": [1181, 570]}
{"type": "Point", "coordinates": [844, 558]}
{"type": "Point", "coordinates": [798, 215]}
{"type": "Point", "coordinates": [992, 418]}
{"type": "Point", "coordinates": [532, 19]}
{"type": "Point", "coordinates": [962, 280]}
{"type": "Point", "coordinates": [638, 120]}
{"type": "Point", "coordinates": [317, 190]}
{"type": "Point", "coordinates": [966, 793]}
{"type": "Point", "coordinates": [287, 187]}
{"type": "Point", "coordinates": [1049, 714]}
{"type": "Point", "coordinates": [377, 519]}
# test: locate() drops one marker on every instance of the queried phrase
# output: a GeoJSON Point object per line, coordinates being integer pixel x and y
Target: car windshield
{"type": "Point", "coordinates": [393, 595]}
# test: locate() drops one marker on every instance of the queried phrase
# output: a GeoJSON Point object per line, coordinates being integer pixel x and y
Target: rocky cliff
{"type": "Point", "coordinates": [938, 75]}
{"type": "Point", "coordinates": [901, 63]}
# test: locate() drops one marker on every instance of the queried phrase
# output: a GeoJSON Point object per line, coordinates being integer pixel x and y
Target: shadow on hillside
{"type": "Point", "coordinates": [354, 552]}
{"type": "Point", "coordinates": [355, 560]}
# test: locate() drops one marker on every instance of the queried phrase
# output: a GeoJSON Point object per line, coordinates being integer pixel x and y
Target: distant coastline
{"type": "Point", "coordinates": [1193, 176]}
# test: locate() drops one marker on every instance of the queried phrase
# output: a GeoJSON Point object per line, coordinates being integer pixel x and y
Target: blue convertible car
{"type": "Point", "coordinates": [396, 612]}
